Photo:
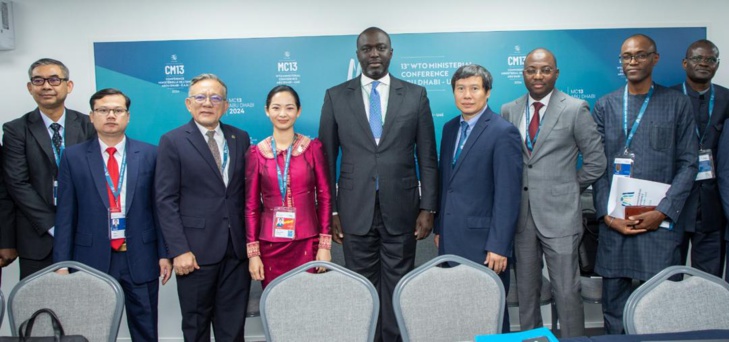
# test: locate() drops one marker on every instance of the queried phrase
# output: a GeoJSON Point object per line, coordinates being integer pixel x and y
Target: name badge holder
{"type": "Point", "coordinates": [623, 164]}
{"type": "Point", "coordinates": [117, 224]}
{"type": "Point", "coordinates": [55, 192]}
{"type": "Point", "coordinates": [706, 166]}
{"type": "Point", "coordinates": [284, 217]}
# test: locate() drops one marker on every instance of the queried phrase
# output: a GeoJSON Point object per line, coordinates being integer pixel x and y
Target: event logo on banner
{"type": "Point", "coordinates": [156, 74]}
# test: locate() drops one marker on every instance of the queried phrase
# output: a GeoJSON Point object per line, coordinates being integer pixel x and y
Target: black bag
{"type": "Point", "coordinates": [26, 328]}
{"type": "Point", "coordinates": [588, 244]}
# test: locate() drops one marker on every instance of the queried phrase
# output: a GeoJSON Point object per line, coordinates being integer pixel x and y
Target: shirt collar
{"type": "Point", "coordinates": [204, 130]}
{"type": "Point", "coordinates": [544, 100]}
{"type": "Point", "coordinates": [47, 121]}
{"type": "Point", "coordinates": [120, 147]}
{"type": "Point", "coordinates": [472, 121]}
{"type": "Point", "coordinates": [367, 81]}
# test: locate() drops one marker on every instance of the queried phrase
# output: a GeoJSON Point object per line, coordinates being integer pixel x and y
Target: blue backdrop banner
{"type": "Point", "coordinates": [156, 74]}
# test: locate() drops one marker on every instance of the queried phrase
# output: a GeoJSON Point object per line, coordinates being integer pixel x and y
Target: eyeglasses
{"type": "Point", "coordinates": [214, 99]}
{"type": "Point", "coordinates": [53, 80]}
{"type": "Point", "coordinates": [546, 71]}
{"type": "Point", "coordinates": [107, 111]}
{"type": "Point", "coordinates": [706, 60]}
{"type": "Point", "coordinates": [641, 57]}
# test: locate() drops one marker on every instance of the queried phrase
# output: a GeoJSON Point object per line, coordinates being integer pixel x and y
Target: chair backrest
{"type": "Point", "coordinates": [462, 301]}
{"type": "Point", "coordinates": [88, 302]}
{"type": "Point", "coordinates": [297, 305]}
{"type": "Point", "coordinates": [2, 308]}
{"type": "Point", "coordinates": [699, 302]}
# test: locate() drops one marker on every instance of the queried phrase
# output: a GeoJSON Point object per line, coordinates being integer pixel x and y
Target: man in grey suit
{"type": "Point", "coordinates": [379, 213]}
{"type": "Point", "coordinates": [555, 128]}
{"type": "Point", "coordinates": [648, 133]}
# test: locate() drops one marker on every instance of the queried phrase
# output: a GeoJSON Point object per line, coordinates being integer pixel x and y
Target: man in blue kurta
{"type": "Point", "coordinates": [650, 130]}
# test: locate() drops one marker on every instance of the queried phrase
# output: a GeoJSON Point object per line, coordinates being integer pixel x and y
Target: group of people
{"type": "Point", "coordinates": [505, 193]}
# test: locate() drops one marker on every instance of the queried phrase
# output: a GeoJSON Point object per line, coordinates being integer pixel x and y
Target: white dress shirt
{"type": "Point", "coordinates": [383, 89]}
{"type": "Point", "coordinates": [220, 140]}
{"type": "Point", "coordinates": [523, 128]}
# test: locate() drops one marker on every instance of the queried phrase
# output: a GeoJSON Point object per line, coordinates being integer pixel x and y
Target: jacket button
{"type": "Point", "coordinates": [530, 166]}
{"type": "Point", "coordinates": [526, 188]}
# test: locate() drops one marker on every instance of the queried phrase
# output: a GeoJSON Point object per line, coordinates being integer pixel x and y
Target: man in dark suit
{"type": "Point", "coordinates": [379, 213]}
{"type": "Point", "coordinates": [7, 225]}
{"type": "Point", "coordinates": [480, 179]}
{"type": "Point", "coordinates": [104, 181]}
{"type": "Point", "coordinates": [200, 199]}
{"type": "Point", "coordinates": [555, 127]}
{"type": "Point", "coordinates": [703, 217]}
{"type": "Point", "coordinates": [722, 174]}
{"type": "Point", "coordinates": [33, 145]}
{"type": "Point", "coordinates": [648, 130]}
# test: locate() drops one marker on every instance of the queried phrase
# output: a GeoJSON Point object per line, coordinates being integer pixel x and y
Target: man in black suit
{"type": "Point", "coordinates": [381, 125]}
{"type": "Point", "coordinates": [33, 145]}
{"type": "Point", "coordinates": [200, 193]}
{"type": "Point", "coordinates": [7, 226]}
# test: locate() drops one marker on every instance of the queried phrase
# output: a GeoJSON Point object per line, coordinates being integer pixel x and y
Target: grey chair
{"type": "Point", "coordinates": [298, 305]}
{"type": "Point", "coordinates": [462, 301]}
{"type": "Point", "coordinates": [88, 302]}
{"type": "Point", "coordinates": [2, 308]}
{"type": "Point", "coordinates": [662, 305]}
{"type": "Point", "coordinates": [591, 289]}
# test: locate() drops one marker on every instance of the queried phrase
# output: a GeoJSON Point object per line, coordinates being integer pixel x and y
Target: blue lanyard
{"type": "Point", "coordinates": [711, 111]}
{"type": "Point", "coordinates": [58, 154]}
{"type": "Point", "coordinates": [225, 157]}
{"type": "Point", "coordinates": [529, 141]}
{"type": "Point", "coordinates": [282, 177]}
{"type": "Point", "coordinates": [637, 119]}
{"type": "Point", "coordinates": [116, 192]}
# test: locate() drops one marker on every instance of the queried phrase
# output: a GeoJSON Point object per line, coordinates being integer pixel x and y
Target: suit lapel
{"type": "Point", "coordinates": [39, 131]}
{"type": "Point", "coordinates": [72, 129]}
{"type": "Point", "coordinates": [132, 172]}
{"type": "Point", "coordinates": [551, 116]}
{"type": "Point", "coordinates": [96, 168]}
{"type": "Point", "coordinates": [232, 142]}
{"type": "Point", "coordinates": [198, 142]}
{"type": "Point", "coordinates": [473, 136]}
{"type": "Point", "coordinates": [393, 105]}
{"type": "Point", "coordinates": [518, 120]}
{"type": "Point", "coordinates": [357, 107]}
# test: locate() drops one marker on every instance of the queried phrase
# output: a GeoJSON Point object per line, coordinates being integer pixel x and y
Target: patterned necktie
{"type": "Point", "coordinates": [57, 139]}
{"type": "Point", "coordinates": [215, 150]}
{"type": "Point", "coordinates": [534, 123]}
{"type": "Point", "coordinates": [461, 141]}
{"type": "Point", "coordinates": [375, 111]}
{"type": "Point", "coordinates": [114, 203]}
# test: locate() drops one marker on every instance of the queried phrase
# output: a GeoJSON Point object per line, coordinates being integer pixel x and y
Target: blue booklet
{"type": "Point", "coordinates": [535, 335]}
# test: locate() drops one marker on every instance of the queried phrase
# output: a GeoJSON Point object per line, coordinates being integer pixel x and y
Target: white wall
{"type": "Point", "coordinates": [65, 30]}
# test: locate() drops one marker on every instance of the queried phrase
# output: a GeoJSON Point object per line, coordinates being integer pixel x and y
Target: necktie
{"type": "Point", "coordinates": [375, 111]}
{"type": "Point", "coordinates": [461, 141]}
{"type": "Point", "coordinates": [215, 150]}
{"type": "Point", "coordinates": [57, 140]}
{"type": "Point", "coordinates": [534, 123]}
{"type": "Point", "coordinates": [113, 167]}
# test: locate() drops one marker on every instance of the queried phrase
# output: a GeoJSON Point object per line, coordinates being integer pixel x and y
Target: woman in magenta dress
{"type": "Point", "coordinates": [288, 203]}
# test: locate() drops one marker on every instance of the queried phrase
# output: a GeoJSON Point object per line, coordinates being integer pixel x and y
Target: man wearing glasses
{"type": "Point", "coordinates": [554, 129]}
{"type": "Point", "coordinates": [106, 185]}
{"type": "Point", "coordinates": [703, 217]}
{"type": "Point", "coordinates": [32, 148]}
{"type": "Point", "coordinates": [199, 182]}
{"type": "Point", "coordinates": [648, 133]}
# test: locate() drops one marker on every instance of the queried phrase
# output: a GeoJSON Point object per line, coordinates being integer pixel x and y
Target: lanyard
{"type": "Point", "coordinates": [637, 119]}
{"type": "Point", "coordinates": [116, 192]}
{"type": "Point", "coordinates": [58, 154]}
{"type": "Point", "coordinates": [529, 141]}
{"type": "Point", "coordinates": [711, 111]}
{"type": "Point", "coordinates": [282, 177]}
{"type": "Point", "coordinates": [225, 157]}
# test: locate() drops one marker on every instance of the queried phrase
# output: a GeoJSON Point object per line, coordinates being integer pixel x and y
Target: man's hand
{"type": "Point", "coordinates": [436, 239]}
{"type": "Point", "coordinates": [625, 227]}
{"type": "Point", "coordinates": [7, 256]}
{"type": "Point", "coordinates": [337, 234]}
{"type": "Point", "coordinates": [165, 270]}
{"type": "Point", "coordinates": [649, 221]}
{"type": "Point", "coordinates": [424, 225]}
{"type": "Point", "coordinates": [185, 264]}
{"type": "Point", "coordinates": [255, 267]}
{"type": "Point", "coordinates": [495, 262]}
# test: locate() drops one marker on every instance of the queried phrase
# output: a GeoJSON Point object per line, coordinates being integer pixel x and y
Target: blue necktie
{"type": "Point", "coordinates": [375, 111]}
{"type": "Point", "coordinates": [461, 141]}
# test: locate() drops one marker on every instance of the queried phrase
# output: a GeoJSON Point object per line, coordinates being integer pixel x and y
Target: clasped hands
{"type": "Point", "coordinates": [636, 224]}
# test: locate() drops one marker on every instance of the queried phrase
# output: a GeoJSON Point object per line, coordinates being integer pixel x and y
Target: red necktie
{"type": "Point", "coordinates": [534, 123]}
{"type": "Point", "coordinates": [113, 167]}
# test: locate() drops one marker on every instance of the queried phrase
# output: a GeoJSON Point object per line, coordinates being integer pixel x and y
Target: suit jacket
{"type": "Point", "coordinates": [82, 223]}
{"type": "Point", "coordinates": [7, 215]}
{"type": "Point", "coordinates": [30, 169]}
{"type": "Point", "coordinates": [480, 195]}
{"type": "Point", "coordinates": [550, 174]}
{"type": "Point", "coordinates": [408, 133]}
{"type": "Point", "coordinates": [196, 211]}
{"type": "Point", "coordinates": [722, 172]}
{"type": "Point", "coordinates": [706, 192]}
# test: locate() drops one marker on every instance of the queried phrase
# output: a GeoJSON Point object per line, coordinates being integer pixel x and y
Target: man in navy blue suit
{"type": "Point", "coordinates": [480, 178]}
{"type": "Point", "coordinates": [105, 216]}
{"type": "Point", "coordinates": [200, 194]}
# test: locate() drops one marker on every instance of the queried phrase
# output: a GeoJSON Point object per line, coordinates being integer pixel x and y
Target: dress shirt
{"type": "Point", "coordinates": [383, 88]}
{"type": "Point", "coordinates": [119, 155]}
{"type": "Point", "coordinates": [62, 121]}
{"type": "Point", "coordinates": [471, 123]}
{"type": "Point", "coordinates": [545, 101]}
{"type": "Point", "coordinates": [220, 139]}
